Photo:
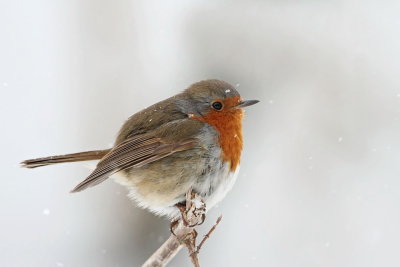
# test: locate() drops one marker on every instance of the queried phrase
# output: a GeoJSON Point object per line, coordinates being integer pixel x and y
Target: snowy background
{"type": "Point", "coordinates": [320, 174]}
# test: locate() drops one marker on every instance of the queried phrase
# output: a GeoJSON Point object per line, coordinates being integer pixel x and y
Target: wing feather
{"type": "Point", "coordinates": [133, 152]}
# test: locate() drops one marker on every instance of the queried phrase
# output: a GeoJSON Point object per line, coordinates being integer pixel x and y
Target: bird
{"type": "Point", "coordinates": [190, 141]}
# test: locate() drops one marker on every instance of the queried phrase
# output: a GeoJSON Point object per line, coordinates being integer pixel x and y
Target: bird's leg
{"type": "Point", "coordinates": [182, 208]}
{"type": "Point", "coordinates": [192, 214]}
{"type": "Point", "coordinates": [203, 218]}
{"type": "Point", "coordinates": [195, 208]}
{"type": "Point", "coordinates": [172, 227]}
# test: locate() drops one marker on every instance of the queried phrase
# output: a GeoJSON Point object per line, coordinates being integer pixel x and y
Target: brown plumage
{"type": "Point", "coordinates": [191, 140]}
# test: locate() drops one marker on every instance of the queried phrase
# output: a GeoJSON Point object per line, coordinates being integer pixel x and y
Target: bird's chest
{"type": "Point", "coordinates": [220, 165]}
{"type": "Point", "coordinates": [228, 128]}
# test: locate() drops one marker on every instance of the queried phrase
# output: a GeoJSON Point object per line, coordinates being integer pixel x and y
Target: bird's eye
{"type": "Point", "coordinates": [217, 105]}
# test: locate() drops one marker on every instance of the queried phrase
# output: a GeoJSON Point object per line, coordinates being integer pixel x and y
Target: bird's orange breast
{"type": "Point", "coordinates": [229, 125]}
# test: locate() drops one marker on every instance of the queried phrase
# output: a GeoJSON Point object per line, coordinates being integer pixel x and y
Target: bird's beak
{"type": "Point", "coordinates": [246, 103]}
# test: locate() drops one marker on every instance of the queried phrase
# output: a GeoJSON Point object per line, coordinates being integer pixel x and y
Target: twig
{"type": "Point", "coordinates": [165, 253]}
{"type": "Point", "coordinates": [183, 233]}
{"type": "Point", "coordinates": [207, 236]}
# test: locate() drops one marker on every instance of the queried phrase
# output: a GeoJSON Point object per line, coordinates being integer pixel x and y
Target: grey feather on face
{"type": "Point", "coordinates": [197, 99]}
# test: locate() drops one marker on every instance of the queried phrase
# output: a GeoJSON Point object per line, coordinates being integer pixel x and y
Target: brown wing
{"type": "Point", "coordinates": [133, 152]}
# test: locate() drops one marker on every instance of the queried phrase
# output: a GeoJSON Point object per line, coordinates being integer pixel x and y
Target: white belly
{"type": "Point", "coordinates": [221, 183]}
{"type": "Point", "coordinates": [213, 189]}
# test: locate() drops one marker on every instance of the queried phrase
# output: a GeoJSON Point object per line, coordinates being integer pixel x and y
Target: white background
{"type": "Point", "coordinates": [320, 173]}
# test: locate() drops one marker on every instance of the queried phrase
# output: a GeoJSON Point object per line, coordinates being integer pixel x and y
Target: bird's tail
{"type": "Point", "coordinates": [81, 156]}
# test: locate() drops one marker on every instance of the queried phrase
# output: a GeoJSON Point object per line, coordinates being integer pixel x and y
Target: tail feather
{"type": "Point", "coordinates": [81, 156]}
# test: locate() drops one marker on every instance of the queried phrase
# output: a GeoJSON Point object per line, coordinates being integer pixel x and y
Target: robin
{"type": "Point", "coordinates": [191, 140]}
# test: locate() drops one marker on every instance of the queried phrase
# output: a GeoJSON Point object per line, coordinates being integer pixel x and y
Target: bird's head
{"type": "Point", "coordinates": [212, 98]}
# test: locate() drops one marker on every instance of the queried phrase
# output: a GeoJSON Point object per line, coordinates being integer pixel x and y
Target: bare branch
{"type": "Point", "coordinates": [183, 234]}
{"type": "Point", "coordinates": [165, 253]}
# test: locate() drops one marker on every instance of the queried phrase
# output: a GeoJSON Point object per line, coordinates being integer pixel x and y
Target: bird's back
{"type": "Point", "coordinates": [150, 118]}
